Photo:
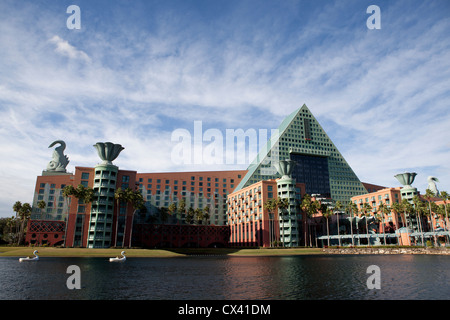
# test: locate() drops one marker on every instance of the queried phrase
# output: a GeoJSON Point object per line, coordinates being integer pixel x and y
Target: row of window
{"type": "Point", "coordinates": [150, 180]}
{"type": "Point", "coordinates": [158, 186]}
{"type": "Point", "coordinates": [52, 187]}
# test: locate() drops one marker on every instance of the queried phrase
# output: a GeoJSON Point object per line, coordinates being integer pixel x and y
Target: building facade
{"type": "Point", "coordinates": [199, 190]}
{"type": "Point", "coordinates": [373, 203]}
{"type": "Point", "coordinates": [406, 225]}
{"type": "Point", "coordinates": [252, 223]}
{"type": "Point", "coordinates": [105, 222]}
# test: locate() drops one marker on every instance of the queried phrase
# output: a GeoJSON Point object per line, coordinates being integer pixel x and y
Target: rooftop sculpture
{"type": "Point", "coordinates": [59, 161]}
{"type": "Point", "coordinates": [432, 185]}
{"type": "Point", "coordinates": [108, 151]}
{"type": "Point", "coordinates": [406, 179]}
{"type": "Point", "coordinates": [285, 168]}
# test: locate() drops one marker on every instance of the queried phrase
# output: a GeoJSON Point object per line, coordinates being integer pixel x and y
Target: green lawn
{"type": "Point", "coordinates": [84, 252]}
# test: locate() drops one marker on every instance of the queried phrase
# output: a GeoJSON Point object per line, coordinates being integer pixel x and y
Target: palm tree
{"type": "Point", "coordinates": [445, 196]}
{"type": "Point", "coordinates": [198, 215]}
{"type": "Point", "coordinates": [419, 209]}
{"type": "Point", "coordinates": [182, 209]}
{"type": "Point", "coordinates": [429, 195]}
{"type": "Point", "coordinates": [121, 197]}
{"type": "Point", "coordinates": [206, 215]}
{"type": "Point", "coordinates": [172, 209]}
{"type": "Point", "coordinates": [397, 208]}
{"type": "Point", "coordinates": [337, 207]}
{"type": "Point", "coordinates": [41, 205]}
{"type": "Point", "coordinates": [439, 211]}
{"type": "Point", "coordinates": [24, 214]}
{"type": "Point", "coordinates": [304, 207]}
{"type": "Point", "coordinates": [436, 214]}
{"type": "Point", "coordinates": [270, 205]}
{"type": "Point", "coordinates": [16, 208]}
{"type": "Point", "coordinates": [190, 215]}
{"type": "Point", "coordinates": [365, 209]}
{"type": "Point", "coordinates": [384, 210]}
{"type": "Point", "coordinates": [353, 210]}
{"type": "Point", "coordinates": [378, 218]}
{"type": "Point", "coordinates": [135, 198]}
{"type": "Point", "coordinates": [407, 208]}
{"type": "Point", "coordinates": [67, 192]}
{"type": "Point", "coordinates": [327, 213]}
{"type": "Point", "coordinates": [83, 194]}
{"type": "Point", "coordinates": [10, 225]}
{"type": "Point", "coordinates": [309, 207]}
{"type": "Point", "coordinates": [128, 199]}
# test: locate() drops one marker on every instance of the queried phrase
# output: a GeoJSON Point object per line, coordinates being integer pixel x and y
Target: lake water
{"type": "Point", "coordinates": [416, 277]}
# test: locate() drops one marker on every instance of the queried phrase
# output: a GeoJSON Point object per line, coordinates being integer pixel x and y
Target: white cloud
{"type": "Point", "coordinates": [64, 48]}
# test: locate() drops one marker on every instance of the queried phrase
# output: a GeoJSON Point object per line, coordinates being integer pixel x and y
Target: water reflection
{"type": "Point", "coordinates": [229, 278]}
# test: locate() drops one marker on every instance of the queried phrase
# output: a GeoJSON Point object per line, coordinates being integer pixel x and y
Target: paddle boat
{"type": "Point", "coordinates": [35, 258]}
{"type": "Point", "coordinates": [117, 259]}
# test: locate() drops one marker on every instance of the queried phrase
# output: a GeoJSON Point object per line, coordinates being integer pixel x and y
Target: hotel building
{"type": "Point", "coordinates": [105, 222]}
{"type": "Point", "coordinates": [235, 198]}
{"type": "Point", "coordinates": [319, 164]}
{"type": "Point", "coordinates": [250, 221]}
{"type": "Point", "coordinates": [402, 226]}
{"type": "Point", "coordinates": [387, 197]}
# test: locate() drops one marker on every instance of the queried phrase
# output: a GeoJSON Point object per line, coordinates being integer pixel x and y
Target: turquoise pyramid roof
{"type": "Point", "coordinates": [300, 133]}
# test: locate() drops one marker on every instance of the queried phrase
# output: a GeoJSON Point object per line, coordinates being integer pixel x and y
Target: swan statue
{"type": "Point", "coordinates": [35, 258]}
{"type": "Point", "coordinates": [117, 259]}
{"type": "Point", "coordinates": [432, 185]}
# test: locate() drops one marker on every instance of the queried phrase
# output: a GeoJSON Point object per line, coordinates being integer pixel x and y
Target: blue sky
{"type": "Point", "coordinates": [138, 70]}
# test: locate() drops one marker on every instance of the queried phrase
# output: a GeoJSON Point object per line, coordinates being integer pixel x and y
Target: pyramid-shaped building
{"type": "Point", "coordinates": [319, 164]}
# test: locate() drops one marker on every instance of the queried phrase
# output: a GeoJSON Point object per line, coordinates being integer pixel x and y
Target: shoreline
{"type": "Point", "coordinates": [384, 250]}
{"type": "Point", "coordinates": [231, 252]}
{"type": "Point", "coordinates": [155, 253]}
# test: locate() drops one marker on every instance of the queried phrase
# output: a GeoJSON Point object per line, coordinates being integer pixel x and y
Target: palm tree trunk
{"type": "Point", "coordinates": [421, 228]}
{"type": "Point", "coordinates": [131, 230]}
{"type": "Point", "coordinates": [328, 233]}
{"type": "Point", "coordinates": [351, 230]}
{"type": "Point", "coordinates": [117, 224]}
{"type": "Point", "coordinates": [367, 230]}
{"type": "Point", "coordinates": [339, 238]}
{"type": "Point", "coordinates": [305, 228]}
{"type": "Point", "coordinates": [124, 227]}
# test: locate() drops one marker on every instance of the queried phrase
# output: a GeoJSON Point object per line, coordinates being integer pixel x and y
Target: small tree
{"type": "Point", "coordinates": [181, 209]}
{"type": "Point", "coordinates": [24, 214]}
{"type": "Point", "coordinates": [327, 213]}
{"type": "Point", "coordinates": [190, 215]}
{"type": "Point", "coordinates": [206, 215]}
{"type": "Point", "coordinates": [445, 196]}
